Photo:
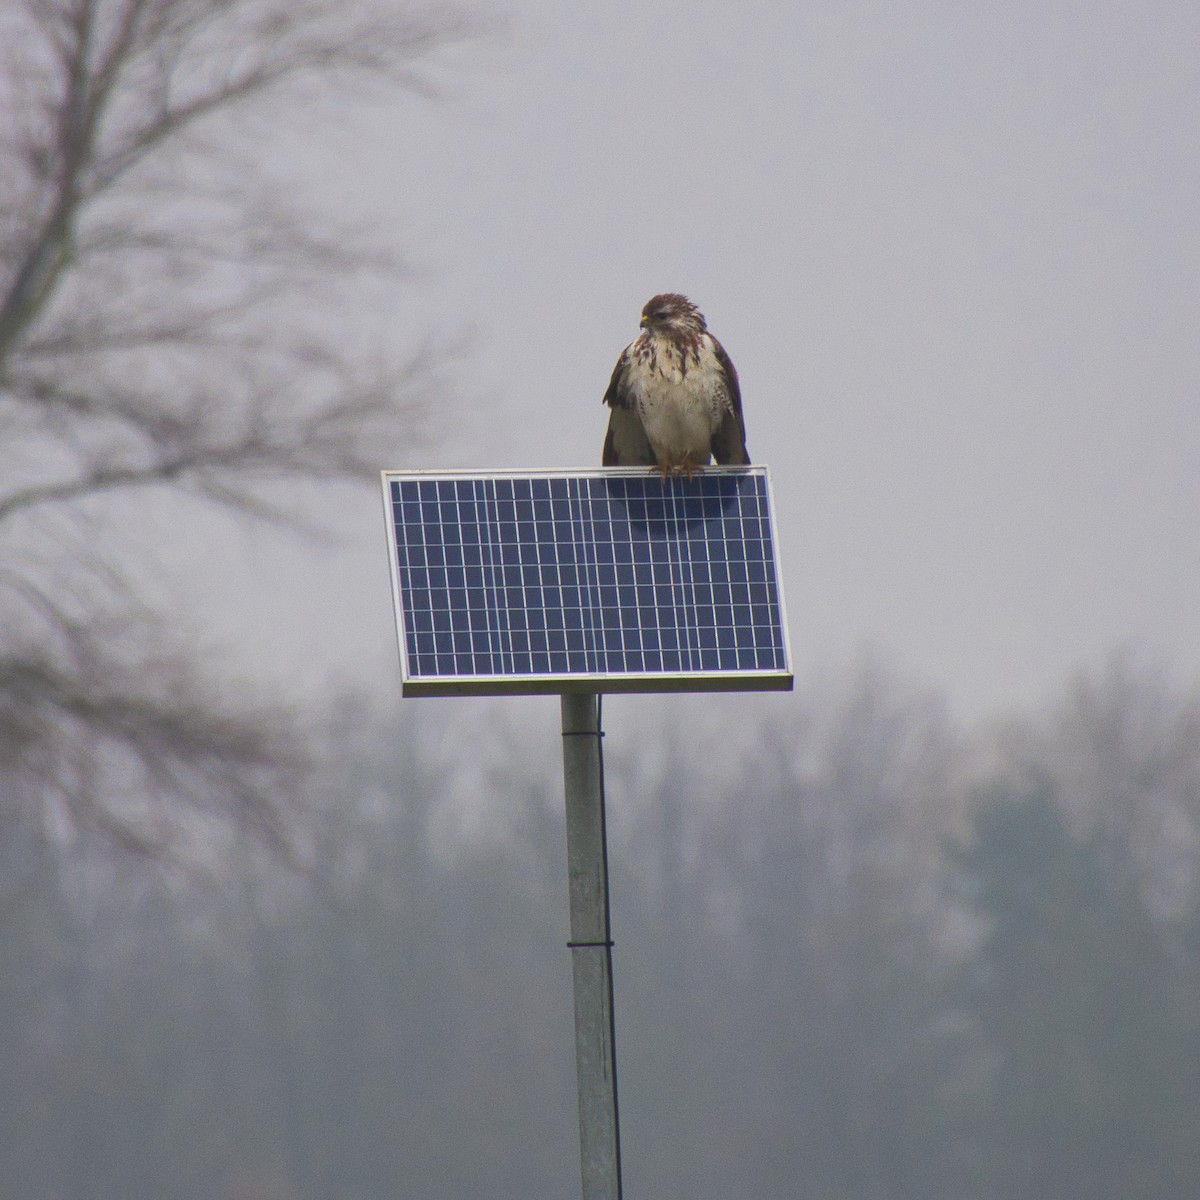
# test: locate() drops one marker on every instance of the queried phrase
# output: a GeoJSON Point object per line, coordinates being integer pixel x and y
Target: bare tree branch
{"type": "Point", "coordinates": [166, 322]}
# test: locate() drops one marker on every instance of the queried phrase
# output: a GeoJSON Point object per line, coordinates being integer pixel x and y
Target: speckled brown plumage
{"type": "Point", "coordinates": [674, 394]}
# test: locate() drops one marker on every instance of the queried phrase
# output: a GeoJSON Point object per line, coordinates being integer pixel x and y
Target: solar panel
{"type": "Point", "coordinates": [606, 580]}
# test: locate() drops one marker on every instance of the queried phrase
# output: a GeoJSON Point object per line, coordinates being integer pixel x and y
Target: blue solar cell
{"type": "Point", "coordinates": [602, 580]}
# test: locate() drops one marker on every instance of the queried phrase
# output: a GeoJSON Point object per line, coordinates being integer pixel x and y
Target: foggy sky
{"type": "Point", "coordinates": [952, 249]}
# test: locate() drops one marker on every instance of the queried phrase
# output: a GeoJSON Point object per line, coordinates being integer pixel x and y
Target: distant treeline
{"type": "Point", "coordinates": [862, 954]}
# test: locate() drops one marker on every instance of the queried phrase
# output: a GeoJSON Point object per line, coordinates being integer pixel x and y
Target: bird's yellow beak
{"type": "Point", "coordinates": [644, 321]}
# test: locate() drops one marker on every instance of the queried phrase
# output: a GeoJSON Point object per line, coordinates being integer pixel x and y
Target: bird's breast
{"type": "Point", "coordinates": [680, 409]}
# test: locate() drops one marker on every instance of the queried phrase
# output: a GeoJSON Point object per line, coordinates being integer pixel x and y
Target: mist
{"type": "Point", "coordinates": [929, 927]}
{"type": "Point", "coordinates": [861, 951]}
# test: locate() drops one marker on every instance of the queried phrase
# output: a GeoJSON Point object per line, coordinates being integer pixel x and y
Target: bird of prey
{"type": "Point", "coordinates": [674, 395]}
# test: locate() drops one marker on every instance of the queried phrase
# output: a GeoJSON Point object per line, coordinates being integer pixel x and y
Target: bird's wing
{"type": "Point", "coordinates": [617, 395]}
{"type": "Point", "coordinates": [625, 444]}
{"type": "Point", "coordinates": [729, 441]}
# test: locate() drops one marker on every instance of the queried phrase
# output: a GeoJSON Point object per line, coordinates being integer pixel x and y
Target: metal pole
{"type": "Point", "coordinates": [591, 948]}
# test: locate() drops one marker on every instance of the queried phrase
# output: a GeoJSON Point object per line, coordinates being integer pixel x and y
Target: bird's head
{"type": "Point", "coordinates": [670, 312]}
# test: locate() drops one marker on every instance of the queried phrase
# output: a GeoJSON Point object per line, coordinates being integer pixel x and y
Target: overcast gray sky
{"type": "Point", "coordinates": [952, 248]}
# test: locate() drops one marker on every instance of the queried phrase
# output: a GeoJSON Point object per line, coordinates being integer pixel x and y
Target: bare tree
{"type": "Point", "coordinates": [1121, 752]}
{"type": "Point", "coordinates": [166, 322]}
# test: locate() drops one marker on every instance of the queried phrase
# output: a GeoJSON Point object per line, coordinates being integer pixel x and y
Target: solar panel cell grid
{"type": "Point", "coordinates": [611, 580]}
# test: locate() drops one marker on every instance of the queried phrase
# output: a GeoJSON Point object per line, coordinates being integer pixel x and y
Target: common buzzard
{"type": "Point", "coordinates": [674, 395]}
